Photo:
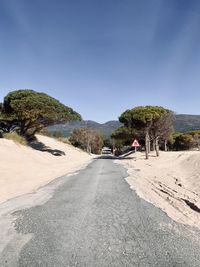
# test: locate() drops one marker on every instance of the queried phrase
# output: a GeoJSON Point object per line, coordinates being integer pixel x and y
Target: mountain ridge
{"type": "Point", "coordinates": [182, 123]}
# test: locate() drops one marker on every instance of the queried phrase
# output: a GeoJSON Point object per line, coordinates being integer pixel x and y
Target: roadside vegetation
{"type": "Point", "coordinates": [87, 139]}
{"type": "Point", "coordinates": [186, 141]}
{"type": "Point", "coordinates": [26, 112]}
{"type": "Point", "coordinates": [151, 124]}
{"type": "Point", "coordinates": [153, 127]}
{"type": "Point", "coordinates": [15, 137]}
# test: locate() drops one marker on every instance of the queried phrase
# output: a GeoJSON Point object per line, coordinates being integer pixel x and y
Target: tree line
{"type": "Point", "coordinates": [186, 141]}
{"type": "Point", "coordinates": [28, 112]}
{"type": "Point", "coordinates": [151, 124]}
{"type": "Point", "coordinates": [153, 127]}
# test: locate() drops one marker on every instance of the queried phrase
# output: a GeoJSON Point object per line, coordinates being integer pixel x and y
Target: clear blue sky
{"type": "Point", "coordinates": [102, 57]}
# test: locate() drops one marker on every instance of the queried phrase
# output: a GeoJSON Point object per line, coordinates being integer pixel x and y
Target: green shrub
{"type": "Point", "coordinates": [15, 137]}
{"type": "Point", "coordinates": [183, 142]}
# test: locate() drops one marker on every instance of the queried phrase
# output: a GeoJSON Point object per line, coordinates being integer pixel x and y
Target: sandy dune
{"type": "Point", "coordinates": [24, 169]}
{"type": "Point", "coordinates": [171, 182]}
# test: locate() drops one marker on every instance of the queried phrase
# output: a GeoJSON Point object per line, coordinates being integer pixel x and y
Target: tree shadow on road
{"type": "Point", "coordinates": [120, 157]}
{"type": "Point", "coordinates": [113, 157]}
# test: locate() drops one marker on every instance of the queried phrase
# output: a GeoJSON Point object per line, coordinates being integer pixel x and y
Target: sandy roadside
{"type": "Point", "coordinates": [171, 182]}
{"type": "Point", "coordinates": [24, 169]}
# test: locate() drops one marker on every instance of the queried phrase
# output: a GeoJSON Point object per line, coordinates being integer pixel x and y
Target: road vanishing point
{"type": "Point", "coordinates": [93, 218]}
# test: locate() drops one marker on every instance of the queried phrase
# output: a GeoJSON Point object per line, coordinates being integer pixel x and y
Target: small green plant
{"type": "Point", "coordinates": [15, 137]}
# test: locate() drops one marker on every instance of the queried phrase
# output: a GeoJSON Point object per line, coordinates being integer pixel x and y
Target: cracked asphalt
{"type": "Point", "coordinates": [95, 219]}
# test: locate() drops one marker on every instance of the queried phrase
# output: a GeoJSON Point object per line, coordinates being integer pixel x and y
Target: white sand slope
{"type": "Point", "coordinates": [23, 169]}
{"type": "Point", "coordinates": [171, 182]}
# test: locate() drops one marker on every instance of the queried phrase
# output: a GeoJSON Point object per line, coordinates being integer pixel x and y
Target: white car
{"type": "Point", "coordinates": [106, 151]}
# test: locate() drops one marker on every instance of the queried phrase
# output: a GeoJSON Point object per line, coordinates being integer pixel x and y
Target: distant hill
{"type": "Point", "coordinates": [182, 123]}
{"type": "Point", "coordinates": [105, 129]}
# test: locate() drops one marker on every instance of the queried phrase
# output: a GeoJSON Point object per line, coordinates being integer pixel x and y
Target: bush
{"type": "Point", "coordinates": [45, 132]}
{"type": "Point", "coordinates": [15, 137]}
{"type": "Point", "coordinates": [87, 139]}
{"type": "Point", "coordinates": [57, 134]}
{"type": "Point", "coordinates": [183, 142]}
{"type": "Point", "coordinates": [64, 140]}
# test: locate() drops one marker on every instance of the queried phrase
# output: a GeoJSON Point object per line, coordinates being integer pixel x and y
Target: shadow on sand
{"type": "Point", "coordinates": [42, 147]}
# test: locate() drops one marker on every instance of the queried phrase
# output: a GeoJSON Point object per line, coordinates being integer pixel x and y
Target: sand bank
{"type": "Point", "coordinates": [23, 169]}
{"type": "Point", "coordinates": [171, 182]}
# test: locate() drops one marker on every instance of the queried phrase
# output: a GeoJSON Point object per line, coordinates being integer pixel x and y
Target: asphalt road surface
{"type": "Point", "coordinates": [95, 219]}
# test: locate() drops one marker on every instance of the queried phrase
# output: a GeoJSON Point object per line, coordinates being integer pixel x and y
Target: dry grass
{"type": "Point", "coordinates": [15, 137]}
{"type": "Point", "coordinates": [64, 140]}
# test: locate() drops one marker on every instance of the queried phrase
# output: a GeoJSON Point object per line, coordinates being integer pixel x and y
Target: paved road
{"type": "Point", "coordinates": [95, 219]}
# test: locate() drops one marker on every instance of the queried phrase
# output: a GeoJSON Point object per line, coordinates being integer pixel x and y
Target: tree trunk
{"type": "Point", "coordinates": [165, 145]}
{"type": "Point", "coordinates": [24, 127]}
{"type": "Point", "coordinates": [157, 147]}
{"type": "Point", "coordinates": [147, 145]}
{"type": "Point", "coordinates": [22, 131]}
{"type": "Point", "coordinates": [89, 149]}
{"type": "Point", "coordinates": [154, 145]}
